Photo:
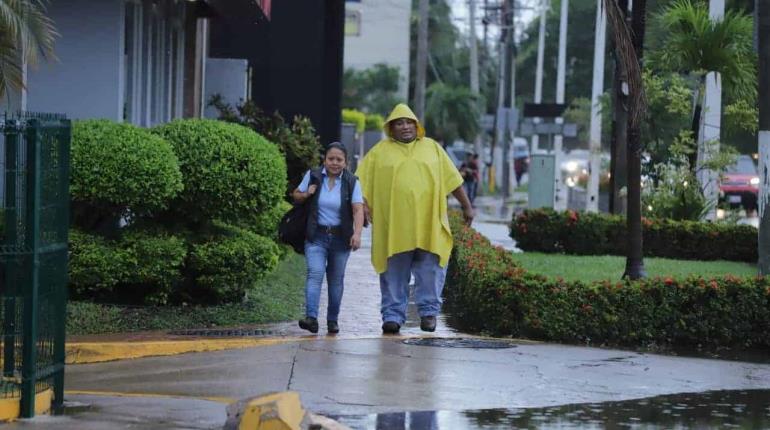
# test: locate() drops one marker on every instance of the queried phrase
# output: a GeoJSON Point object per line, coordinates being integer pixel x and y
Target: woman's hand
{"type": "Point", "coordinates": [355, 241]}
{"type": "Point", "coordinates": [311, 190]}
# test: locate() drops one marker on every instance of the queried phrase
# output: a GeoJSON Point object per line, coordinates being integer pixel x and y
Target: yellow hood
{"type": "Point", "coordinates": [402, 111]}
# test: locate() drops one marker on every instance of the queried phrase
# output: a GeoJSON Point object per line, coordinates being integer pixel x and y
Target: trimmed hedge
{"type": "Point", "coordinates": [544, 230]}
{"type": "Point", "coordinates": [355, 117]}
{"type": "Point", "coordinates": [120, 169]}
{"type": "Point", "coordinates": [230, 172]}
{"type": "Point", "coordinates": [228, 264]}
{"type": "Point", "coordinates": [141, 267]}
{"type": "Point", "coordinates": [490, 292]}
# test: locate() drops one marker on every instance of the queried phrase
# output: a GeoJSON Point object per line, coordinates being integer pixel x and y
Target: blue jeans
{"type": "Point", "coordinates": [394, 285]}
{"type": "Point", "coordinates": [470, 189]}
{"type": "Point", "coordinates": [326, 253]}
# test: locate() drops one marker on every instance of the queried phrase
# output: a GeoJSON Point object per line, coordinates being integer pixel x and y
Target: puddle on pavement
{"type": "Point", "coordinates": [715, 409]}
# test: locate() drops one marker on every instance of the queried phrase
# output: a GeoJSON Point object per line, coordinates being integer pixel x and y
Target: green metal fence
{"type": "Point", "coordinates": [33, 255]}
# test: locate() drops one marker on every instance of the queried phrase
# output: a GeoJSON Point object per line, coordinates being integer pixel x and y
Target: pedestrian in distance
{"type": "Point", "coordinates": [335, 221]}
{"type": "Point", "coordinates": [406, 179]}
{"type": "Point", "coordinates": [469, 170]}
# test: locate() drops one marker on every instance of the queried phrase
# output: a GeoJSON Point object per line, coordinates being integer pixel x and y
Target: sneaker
{"type": "Point", "coordinates": [310, 324]}
{"type": "Point", "coordinates": [428, 323]}
{"type": "Point", "coordinates": [391, 327]}
{"type": "Point", "coordinates": [332, 327]}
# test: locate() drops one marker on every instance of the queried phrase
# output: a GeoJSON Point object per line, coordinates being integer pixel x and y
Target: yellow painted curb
{"type": "Point", "coordinates": [223, 400]}
{"type": "Point", "coordinates": [10, 409]}
{"type": "Point", "coordinates": [86, 352]}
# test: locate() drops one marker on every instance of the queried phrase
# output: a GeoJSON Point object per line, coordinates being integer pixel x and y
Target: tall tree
{"type": "Point", "coordinates": [629, 44]}
{"type": "Point", "coordinates": [695, 44]}
{"type": "Point", "coordinates": [422, 59]}
{"type": "Point", "coordinates": [26, 35]}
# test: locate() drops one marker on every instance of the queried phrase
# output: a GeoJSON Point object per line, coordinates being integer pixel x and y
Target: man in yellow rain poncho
{"type": "Point", "coordinates": [405, 180]}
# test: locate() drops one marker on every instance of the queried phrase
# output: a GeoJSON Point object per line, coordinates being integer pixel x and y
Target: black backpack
{"type": "Point", "coordinates": [293, 225]}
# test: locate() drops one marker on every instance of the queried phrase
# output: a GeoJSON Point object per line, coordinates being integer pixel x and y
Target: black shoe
{"type": "Point", "coordinates": [428, 323]}
{"type": "Point", "coordinates": [332, 327]}
{"type": "Point", "coordinates": [310, 324]}
{"type": "Point", "coordinates": [391, 327]}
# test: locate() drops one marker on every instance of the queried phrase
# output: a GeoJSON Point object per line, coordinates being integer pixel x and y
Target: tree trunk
{"type": "Point", "coordinates": [618, 143]}
{"type": "Point", "coordinates": [634, 258]}
{"type": "Point", "coordinates": [763, 25]}
{"type": "Point", "coordinates": [422, 60]}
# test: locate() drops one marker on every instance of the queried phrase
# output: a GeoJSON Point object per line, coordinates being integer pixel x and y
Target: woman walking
{"type": "Point", "coordinates": [335, 221]}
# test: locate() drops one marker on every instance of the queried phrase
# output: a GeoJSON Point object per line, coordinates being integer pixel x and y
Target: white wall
{"type": "Point", "coordinates": [85, 81]}
{"type": "Point", "coordinates": [384, 37]}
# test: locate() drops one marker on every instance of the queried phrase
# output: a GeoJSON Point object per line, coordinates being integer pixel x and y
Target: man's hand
{"type": "Point", "coordinates": [355, 242]}
{"type": "Point", "coordinates": [468, 214]}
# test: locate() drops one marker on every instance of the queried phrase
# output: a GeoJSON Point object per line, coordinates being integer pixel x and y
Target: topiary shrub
{"type": "Point", "coordinates": [226, 266]}
{"type": "Point", "coordinates": [229, 171]}
{"type": "Point", "coordinates": [266, 223]}
{"type": "Point", "coordinates": [119, 170]}
{"type": "Point", "coordinates": [140, 268]}
{"type": "Point", "coordinates": [357, 118]}
{"type": "Point", "coordinates": [298, 141]}
{"type": "Point", "coordinates": [375, 122]}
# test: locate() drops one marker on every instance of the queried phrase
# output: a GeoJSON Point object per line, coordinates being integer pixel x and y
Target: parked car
{"type": "Point", "coordinates": [740, 184]}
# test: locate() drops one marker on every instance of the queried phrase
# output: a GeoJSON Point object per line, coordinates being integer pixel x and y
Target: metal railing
{"type": "Point", "coordinates": [34, 152]}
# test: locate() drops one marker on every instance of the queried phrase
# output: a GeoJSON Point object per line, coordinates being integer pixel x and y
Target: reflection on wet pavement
{"type": "Point", "coordinates": [746, 409]}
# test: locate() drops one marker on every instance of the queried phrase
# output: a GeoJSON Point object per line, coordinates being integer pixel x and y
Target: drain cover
{"type": "Point", "coordinates": [460, 343]}
{"type": "Point", "coordinates": [215, 332]}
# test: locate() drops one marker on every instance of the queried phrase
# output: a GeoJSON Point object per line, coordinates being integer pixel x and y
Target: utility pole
{"type": "Point", "coordinates": [595, 139]}
{"type": "Point", "coordinates": [561, 70]}
{"type": "Point", "coordinates": [539, 68]}
{"type": "Point", "coordinates": [422, 60]}
{"type": "Point", "coordinates": [474, 51]}
{"type": "Point", "coordinates": [507, 60]}
{"type": "Point", "coordinates": [763, 44]}
{"type": "Point", "coordinates": [710, 119]}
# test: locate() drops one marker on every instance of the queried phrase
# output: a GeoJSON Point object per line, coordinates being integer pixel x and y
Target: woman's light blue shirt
{"type": "Point", "coordinates": [330, 201]}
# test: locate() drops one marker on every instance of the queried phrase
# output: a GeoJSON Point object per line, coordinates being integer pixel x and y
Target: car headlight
{"type": "Point", "coordinates": [571, 166]}
{"type": "Point", "coordinates": [754, 181]}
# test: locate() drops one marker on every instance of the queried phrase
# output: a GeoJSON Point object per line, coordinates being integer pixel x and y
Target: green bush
{"type": "Point", "coordinates": [267, 222]}
{"type": "Point", "coordinates": [141, 267]}
{"type": "Point", "coordinates": [544, 230]}
{"type": "Point", "coordinates": [119, 170]}
{"type": "Point", "coordinates": [298, 141]}
{"type": "Point", "coordinates": [226, 266]}
{"type": "Point", "coordinates": [375, 122]}
{"type": "Point", "coordinates": [229, 171]}
{"type": "Point", "coordinates": [357, 118]}
{"type": "Point", "coordinates": [489, 292]}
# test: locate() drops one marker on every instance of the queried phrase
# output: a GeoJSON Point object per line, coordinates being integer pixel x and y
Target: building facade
{"type": "Point", "coordinates": [378, 31]}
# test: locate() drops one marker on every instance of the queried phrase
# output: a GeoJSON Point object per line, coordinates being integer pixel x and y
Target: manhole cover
{"type": "Point", "coordinates": [213, 332]}
{"type": "Point", "coordinates": [460, 343]}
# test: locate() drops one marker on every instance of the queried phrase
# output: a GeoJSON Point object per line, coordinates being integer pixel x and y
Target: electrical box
{"type": "Point", "coordinates": [541, 180]}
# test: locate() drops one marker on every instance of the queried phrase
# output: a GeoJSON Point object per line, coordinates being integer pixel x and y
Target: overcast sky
{"type": "Point", "coordinates": [525, 14]}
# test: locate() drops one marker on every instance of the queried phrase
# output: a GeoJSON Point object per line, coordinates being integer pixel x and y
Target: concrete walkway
{"type": "Point", "coordinates": [360, 371]}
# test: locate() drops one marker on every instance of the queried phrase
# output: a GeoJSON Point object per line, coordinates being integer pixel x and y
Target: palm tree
{"type": "Point", "coordinates": [628, 46]}
{"type": "Point", "coordinates": [696, 44]}
{"type": "Point", "coordinates": [452, 112]}
{"type": "Point", "coordinates": [26, 35]}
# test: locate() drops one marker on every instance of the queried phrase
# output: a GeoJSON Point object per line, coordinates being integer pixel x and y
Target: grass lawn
{"type": "Point", "coordinates": [277, 297]}
{"type": "Point", "coordinates": [595, 268]}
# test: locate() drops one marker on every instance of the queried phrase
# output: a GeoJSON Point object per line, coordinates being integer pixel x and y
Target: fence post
{"type": "Point", "coordinates": [32, 244]}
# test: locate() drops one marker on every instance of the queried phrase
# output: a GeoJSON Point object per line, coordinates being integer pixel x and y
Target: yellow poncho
{"type": "Point", "coordinates": [406, 186]}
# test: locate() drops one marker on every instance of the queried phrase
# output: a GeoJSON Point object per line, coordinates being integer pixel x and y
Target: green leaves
{"type": "Point", "coordinates": [229, 171]}
{"type": "Point", "coordinates": [26, 34]}
{"type": "Point", "coordinates": [120, 170]}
